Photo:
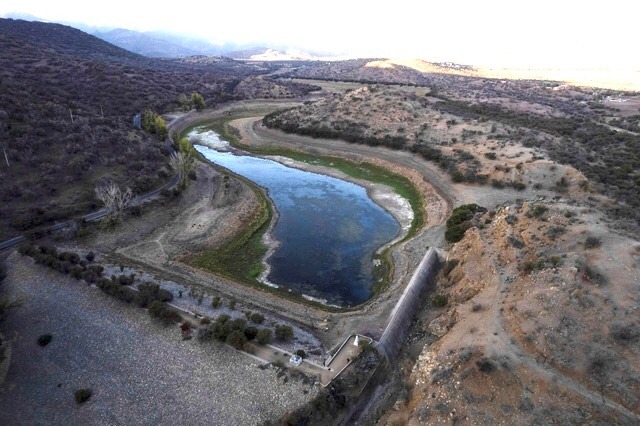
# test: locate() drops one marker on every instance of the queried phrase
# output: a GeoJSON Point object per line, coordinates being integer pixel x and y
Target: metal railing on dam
{"type": "Point", "coordinates": [410, 301]}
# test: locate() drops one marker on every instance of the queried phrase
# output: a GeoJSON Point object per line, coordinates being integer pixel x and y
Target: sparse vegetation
{"type": "Point", "coordinates": [440, 300]}
{"type": "Point", "coordinates": [539, 210]}
{"type": "Point", "coordinates": [592, 242]}
{"type": "Point", "coordinates": [45, 339]}
{"type": "Point", "coordinates": [82, 395]}
{"type": "Point", "coordinates": [449, 266]}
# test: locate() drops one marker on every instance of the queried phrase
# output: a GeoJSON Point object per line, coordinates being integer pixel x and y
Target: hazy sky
{"type": "Point", "coordinates": [492, 32]}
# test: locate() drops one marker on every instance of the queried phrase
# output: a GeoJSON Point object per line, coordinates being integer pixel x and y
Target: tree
{"type": "Point", "coordinates": [264, 336]}
{"type": "Point", "coordinates": [256, 318]}
{"type": "Point", "coordinates": [184, 102]}
{"type": "Point", "coordinates": [198, 101]}
{"type": "Point", "coordinates": [182, 164]}
{"type": "Point", "coordinates": [161, 128]}
{"type": "Point", "coordinates": [251, 332]}
{"type": "Point", "coordinates": [237, 339]}
{"type": "Point", "coordinates": [114, 198]}
{"type": "Point", "coordinates": [284, 332]}
{"type": "Point", "coordinates": [182, 161]}
{"type": "Point", "coordinates": [148, 121]}
{"type": "Point", "coordinates": [153, 123]}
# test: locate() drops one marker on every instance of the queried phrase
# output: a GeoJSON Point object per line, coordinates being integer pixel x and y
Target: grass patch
{"type": "Point", "coordinates": [241, 257]}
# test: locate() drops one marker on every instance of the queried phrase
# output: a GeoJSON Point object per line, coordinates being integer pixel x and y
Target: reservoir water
{"type": "Point", "coordinates": [327, 229]}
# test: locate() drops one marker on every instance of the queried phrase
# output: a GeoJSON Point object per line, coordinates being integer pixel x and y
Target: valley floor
{"type": "Point", "coordinates": [140, 372]}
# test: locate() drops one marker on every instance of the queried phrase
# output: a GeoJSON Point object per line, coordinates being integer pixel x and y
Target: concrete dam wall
{"type": "Point", "coordinates": [410, 301]}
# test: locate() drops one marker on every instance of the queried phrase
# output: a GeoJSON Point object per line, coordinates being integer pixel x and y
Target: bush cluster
{"type": "Point", "coordinates": [117, 286]}
{"type": "Point", "coordinates": [460, 221]}
{"type": "Point", "coordinates": [235, 332]}
{"type": "Point", "coordinates": [163, 312]}
{"type": "Point", "coordinates": [604, 155]}
{"type": "Point", "coordinates": [64, 262]}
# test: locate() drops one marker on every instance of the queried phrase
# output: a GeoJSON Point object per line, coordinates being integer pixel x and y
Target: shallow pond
{"type": "Point", "coordinates": [327, 231]}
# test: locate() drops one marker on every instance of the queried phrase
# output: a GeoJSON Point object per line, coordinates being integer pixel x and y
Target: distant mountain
{"type": "Point", "coordinates": [276, 54]}
{"type": "Point", "coordinates": [289, 55]}
{"type": "Point", "coordinates": [23, 16]}
{"type": "Point", "coordinates": [144, 44]}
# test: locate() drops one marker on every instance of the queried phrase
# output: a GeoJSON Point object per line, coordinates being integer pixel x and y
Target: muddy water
{"type": "Point", "coordinates": [327, 230]}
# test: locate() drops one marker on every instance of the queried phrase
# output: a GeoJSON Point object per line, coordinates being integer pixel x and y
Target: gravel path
{"type": "Point", "coordinates": [140, 372]}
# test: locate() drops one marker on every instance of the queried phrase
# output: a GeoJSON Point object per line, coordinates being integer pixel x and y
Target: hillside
{"type": "Point", "coordinates": [50, 72]}
{"type": "Point", "coordinates": [463, 125]}
{"type": "Point", "coordinates": [145, 44]}
{"type": "Point", "coordinates": [420, 72]}
{"type": "Point", "coordinates": [539, 327]}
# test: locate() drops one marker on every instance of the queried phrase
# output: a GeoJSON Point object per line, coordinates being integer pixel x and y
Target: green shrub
{"type": "Point", "coordinates": [82, 395]}
{"type": "Point", "coordinates": [284, 333]}
{"type": "Point", "coordinates": [250, 333]}
{"type": "Point", "coordinates": [264, 336]}
{"type": "Point", "coordinates": [486, 365]}
{"type": "Point", "coordinates": [45, 339]}
{"type": "Point", "coordinates": [518, 186]}
{"type": "Point", "coordinates": [215, 302]}
{"type": "Point", "coordinates": [76, 271]}
{"type": "Point", "coordinates": [538, 210]}
{"type": "Point", "coordinates": [126, 279]}
{"type": "Point", "coordinates": [496, 183]}
{"type": "Point", "coordinates": [532, 265]}
{"type": "Point", "coordinates": [256, 318]}
{"type": "Point", "coordinates": [89, 276]}
{"type": "Point", "coordinates": [490, 155]}
{"type": "Point", "coordinates": [459, 221]}
{"type": "Point", "coordinates": [440, 300]}
{"type": "Point", "coordinates": [592, 242]}
{"type": "Point", "coordinates": [161, 311]}
{"type": "Point", "coordinates": [70, 257]}
{"type": "Point", "coordinates": [301, 353]}
{"type": "Point", "coordinates": [236, 338]}
{"type": "Point", "coordinates": [28, 250]}
{"type": "Point", "coordinates": [624, 332]}
{"type": "Point", "coordinates": [591, 273]}
{"type": "Point", "coordinates": [149, 292]}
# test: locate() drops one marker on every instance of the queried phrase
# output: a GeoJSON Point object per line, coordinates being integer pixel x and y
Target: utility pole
{"type": "Point", "coordinates": [71, 114]}
{"type": "Point", "coordinates": [5, 157]}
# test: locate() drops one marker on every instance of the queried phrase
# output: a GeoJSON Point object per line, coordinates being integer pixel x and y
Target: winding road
{"type": "Point", "coordinates": [99, 214]}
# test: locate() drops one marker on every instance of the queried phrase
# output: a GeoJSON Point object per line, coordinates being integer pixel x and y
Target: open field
{"type": "Point", "coordinates": [139, 371]}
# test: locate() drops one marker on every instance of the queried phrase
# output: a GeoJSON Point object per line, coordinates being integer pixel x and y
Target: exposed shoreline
{"type": "Point", "coordinates": [383, 195]}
